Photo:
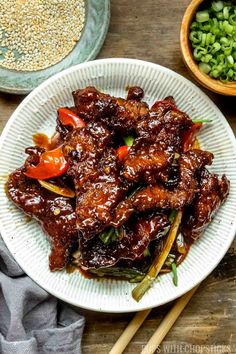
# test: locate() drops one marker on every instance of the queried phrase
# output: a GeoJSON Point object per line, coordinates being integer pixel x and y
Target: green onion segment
{"type": "Point", "coordinates": [201, 121]}
{"type": "Point", "coordinates": [130, 274]}
{"type": "Point", "coordinates": [174, 272]}
{"type": "Point", "coordinates": [128, 140]}
{"type": "Point", "coordinates": [108, 236]}
{"type": "Point", "coordinates": [172, 216]}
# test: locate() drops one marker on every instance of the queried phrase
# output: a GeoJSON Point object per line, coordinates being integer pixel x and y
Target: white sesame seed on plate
{"type": "Point", "coordinates": [43, 32]}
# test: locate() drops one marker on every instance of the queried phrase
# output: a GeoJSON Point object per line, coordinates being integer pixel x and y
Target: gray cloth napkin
{"type": "Point", "coordinates": [31, 320]}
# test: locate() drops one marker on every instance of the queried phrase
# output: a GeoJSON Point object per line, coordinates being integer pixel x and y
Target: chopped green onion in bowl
{"type": "Point", "coordinates": [213, 39]}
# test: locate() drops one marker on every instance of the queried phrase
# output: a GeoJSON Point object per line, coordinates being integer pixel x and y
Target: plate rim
{"type": "Point", "coordinates": [175, 294]}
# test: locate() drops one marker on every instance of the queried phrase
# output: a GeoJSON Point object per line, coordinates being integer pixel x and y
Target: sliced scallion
{"type": "Point", "coordinates": [128, 140]}
{"type": "Point", "coordinates": [230, 60]}
{"type": "Point", "coordinates": [146, 252]}
{"type": "Point", "coordinates": [174, 272]}
{"type": "Point", "coordinates": [227, 27]}
{"type": "Point", "coordinates": [202, 16]}
{"type": "Point", "coordinates": [217, 6]}
{"type": "Point", "coordinates": [205, 68]}
{"type": "Point", "coordinates": [201, 121]}
{"type": "Point", "coordinates": [108, 236]}
{"type": "Point", "coordinates": [172, 216]}
{"type": "Point", "coordinates": [226, 12]}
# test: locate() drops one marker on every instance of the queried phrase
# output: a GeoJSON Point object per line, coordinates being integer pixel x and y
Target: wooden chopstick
{"type": "Point", "coordinates": [161, 331]}
{"type": "Point", "coordinates": [129, 332]}
{"type": "Point", "coordinates": [167, 322]}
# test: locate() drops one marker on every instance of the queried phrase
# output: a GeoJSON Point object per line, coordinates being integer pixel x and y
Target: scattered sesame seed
{"type": "Point", "coordinates": [42, 32]}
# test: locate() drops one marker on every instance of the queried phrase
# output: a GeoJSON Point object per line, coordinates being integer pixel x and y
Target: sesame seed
{"type": "Point", "coordinates": [42, 32]}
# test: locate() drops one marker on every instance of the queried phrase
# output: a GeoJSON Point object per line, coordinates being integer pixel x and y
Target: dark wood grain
{"type": "Point", "coordinates": [149, 30]}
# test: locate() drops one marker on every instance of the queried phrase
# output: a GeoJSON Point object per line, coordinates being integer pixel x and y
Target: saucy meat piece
{"type": "Point", "coordinates": [87, 141]}
{"type": "Point", "coordinates": [91, 104]}
{"type": "Point", "coordinates": [211, 195]}
{"type": "Point", "coordinates": [165, 129]}
{"type": "Point", "coordinates": [143, 162]}
{"type": "Point", "coordinates": [127, 115]}
{"type": "Point", "coordinates": [34, 153]}
{"type": "Point", "coordinates": [117, 113]}
{"type": "Point", "coordinates": [137, 234]}
{"type": "Point", "coordinates": [155, 197]}
{"type": "Point", "coordinates": [95, 172]}
{"type": "Point", "coordinates": [55, 214]}
{"type": "Point", "coordinates": [100, 196]}
{"type": "Point", "coordinates": [169, 99]}
{"type": "Point", "coordinates": [168, 104]}
{"type": "Point", "coordinates": [83, 148]}
{"type": "Point", "coordinates": [135, 93]}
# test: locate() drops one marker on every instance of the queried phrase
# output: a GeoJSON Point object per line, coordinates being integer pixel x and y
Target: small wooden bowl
{"type": "Point", "coordinates": [228, 89]}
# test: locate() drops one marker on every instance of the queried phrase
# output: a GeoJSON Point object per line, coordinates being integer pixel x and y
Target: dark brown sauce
{"type": "Point", "coordinates": [85, 274]}
{"type": "Point", "coordinates": [4, 177]}
{"type": "Point", "coordinates": [70, 268]}
{"type": "Point", "coordinates": [6, 189]}
{"type": "Point", "coordinates": [27, 219]}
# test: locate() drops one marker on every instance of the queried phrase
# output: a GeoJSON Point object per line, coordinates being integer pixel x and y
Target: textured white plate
{"type": "Point", "coordinates": [37, 113]}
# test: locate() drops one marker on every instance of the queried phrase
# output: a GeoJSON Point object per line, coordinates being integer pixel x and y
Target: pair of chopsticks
{"type": "Point", "coordinates": [161, 331]}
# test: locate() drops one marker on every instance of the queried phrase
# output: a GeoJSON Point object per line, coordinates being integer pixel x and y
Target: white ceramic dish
{"type": "Point", "coordinates": [37, 113]}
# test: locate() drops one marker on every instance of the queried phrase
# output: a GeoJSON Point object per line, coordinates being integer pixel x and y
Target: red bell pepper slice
{"type": "Point", "coordinates": [122, 152]}
{"type": "Point", "coordinates": [67, 117]}
{"type": "Point", "coordinates": [51, 164]}
{"type": "Point", "coordinates": [189, 136]}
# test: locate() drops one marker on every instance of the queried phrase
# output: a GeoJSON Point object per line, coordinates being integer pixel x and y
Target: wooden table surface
{"type": "Point", "coordinates": [149, 30]}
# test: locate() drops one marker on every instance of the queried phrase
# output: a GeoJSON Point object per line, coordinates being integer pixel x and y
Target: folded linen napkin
{"type": "Point", "coordinates": [31, 320]}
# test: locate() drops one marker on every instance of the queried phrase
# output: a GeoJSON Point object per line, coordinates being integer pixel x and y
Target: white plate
{"type": "Point", "coordinates": [37, 113]}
